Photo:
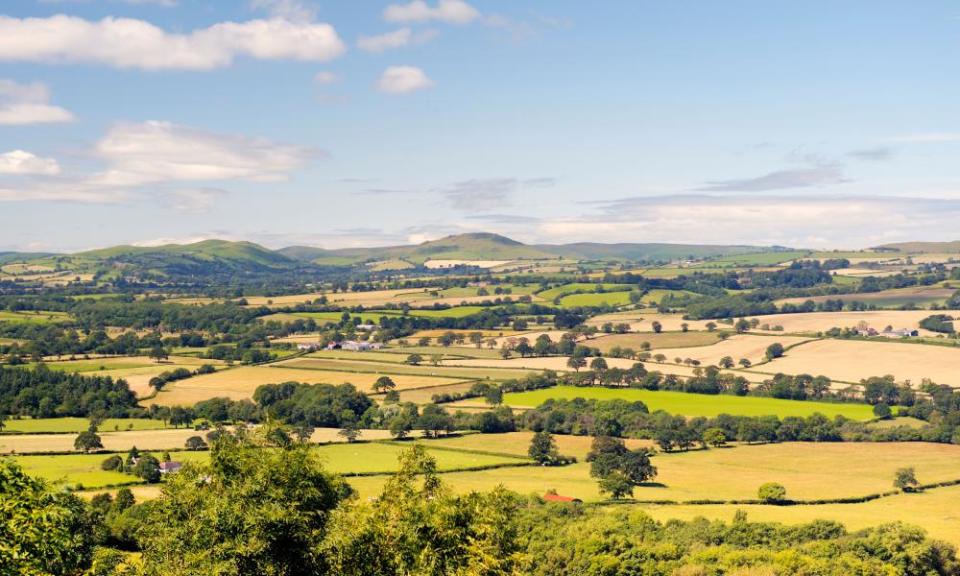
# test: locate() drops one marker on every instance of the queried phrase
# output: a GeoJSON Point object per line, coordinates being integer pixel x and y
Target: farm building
{"type": "Point", "coordinates": [309, 346]}
{"type": "Point", "coordinates": [170, 467]}
{"type": "Point", "coordinates": [360, 346]}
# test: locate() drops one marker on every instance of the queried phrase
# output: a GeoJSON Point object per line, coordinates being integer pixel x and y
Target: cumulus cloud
{"type": "Point", "coordinates": [403, 80]}
{"type": "Point", "coordinates": [139, 153]}
{"type": "Point", "coordinates": [447, 11]}
{"type": "Point", "coordinates": [131, 43]}
{"type": "Point", "coordinates": [780, 180]}
{"type": "Point", "coordinates": [392, 40]}
{"type": "Point", "coordinates": [22, 104]}
{"type": "Point", "coordinates": [21, 163]}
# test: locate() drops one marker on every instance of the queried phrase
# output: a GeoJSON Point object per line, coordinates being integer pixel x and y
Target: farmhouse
{"type": "Point", "coordinates": [901, 333]}
{"type": "Point", "coordinates": [309, 346]}
{"type": "Point", "coordinates": [170, 467]}
{"type": "Point", "coordinates": [360, 346]}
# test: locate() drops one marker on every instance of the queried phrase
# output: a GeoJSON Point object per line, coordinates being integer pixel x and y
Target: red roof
{"type": "Point", "coordinates": [558, 498]}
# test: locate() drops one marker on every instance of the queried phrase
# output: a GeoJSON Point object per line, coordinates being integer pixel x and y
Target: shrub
{"type": "Point", "coordinates": [771, 492]}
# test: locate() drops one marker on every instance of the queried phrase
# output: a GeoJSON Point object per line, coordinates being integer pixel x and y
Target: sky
{"type": "Point", "coordinates": [335, 123]}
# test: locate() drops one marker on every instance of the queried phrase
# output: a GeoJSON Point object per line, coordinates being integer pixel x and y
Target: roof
{"type": "Point", "coordinates": [558, 498]}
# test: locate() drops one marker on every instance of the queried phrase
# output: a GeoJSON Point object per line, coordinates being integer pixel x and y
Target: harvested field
{"type": "Point", "coordinates": [437, 264]}
{"type": "Point", "coordinates": [851, 361]}
{"type": "Point", "coordinates": [424, 370]}
{"type": "Point", "coordinates": [656, 341]}
{"type": "Point", "coordinates": [240, 383]}
{"type": "Point", "coordinates": [518, 443]}
{"type": "Point", "coordinates": [738, 346]}
{"type": "Point", "coordinates": [118, 441]}
{"type": "Point", "coordinates": [642, 321]}
{"type": "Point", "coordinates": [813, 322]}
{"type": "Point", "coordinates": [76, 425]}
{"type": "Point", "coordinates": [922, 296]}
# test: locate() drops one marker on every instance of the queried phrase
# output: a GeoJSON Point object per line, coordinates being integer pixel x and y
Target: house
{"type": "Point", "coordinates": [170, 467]}
{"type": "Point", "coordinates": [868, 332]}
{"type": "Point", "coordinates": [554, 497]}
{"type": "Point", "coordinates": [366, 327]}
{"type": "Point", "coordinates": [308, 346]}
{"type": "Point", "coordinates": [360, 346]}
{"type": "Point", "coordinates": [901, 333]}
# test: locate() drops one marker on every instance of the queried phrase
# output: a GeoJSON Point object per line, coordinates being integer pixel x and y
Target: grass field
{"type": "Point", "coordinates": [601, 299]}
{"type": "Point", "coordinates": [574, 287]}
{"type": "Point", "coordinates": [69, 424]}
{"type": "Point", "coordinates": [808, 471]}
{"type": "Point", "coordinates": [33, 317]}
{"type": "Point", "coordinates": [656, 296]}
{"type": "Point", "coordinates": [425, 370]}
{"type": "Point", "coordinates": [851, 360]}
{"type": "Point", "coordinates": [934, 510]}
{"type": "Point", "coordinates": [693, 404]}
{"type": "Point", "coordinates": [518, 443]}
{"type": "Point", "coordinates": [758, 259]}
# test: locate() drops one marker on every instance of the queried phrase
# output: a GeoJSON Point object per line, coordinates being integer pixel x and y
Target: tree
{"type": "Point", "coordinates": [158, 353]}
{"type": "Point", "coordinates": [195, 443]}
{"type": "Point", "coordinates": [148, 468]}
{"type": "Point", "coordinates": [303, 432]}
{"type": "Point", "coordinates": [249, 510]}
{"type": "Point", "coordinates": [598, 365]}
{"type": "Point", "coordinates": [414, 359]}
{"type": "Point", "coordinates": [882, 411]}
{"type": "Point", "coordinates": [350, 431]}
{"type": "Point", "coordinates": [417, 525]}
{"type": "Point", "coordinates": [41, 531]}
{"type": "Point", "coordinates": [87, 441]}
{"type": "Point", "coordinates": [657, 327]}
{"type": "Point", "coordinates": [493, 395]}
{"type": "Point", "coordinates": [684, 327]}
{"type": "Point", "coordinates": [383, 384]}
{"type": "Point", "coordinates": [771, 493]}
{"type": "Point", "coordinates": [741, 326]}
{"type": "Point", "coordinates": [543, 449]}
{"type": "Point", "coordinates": [905, 479]}
{"type": "Point", "coordinates": [726, 362]}
{"type": "Point", "coordinates": [618, 469]}
{"type": "Point", "coordinates": [774, 350]}
{"type": "Point", "coordinates": [476, 338]}
{"type": "Point", "coordinates": [576, 362]}
{"type": "Point", "coordinates": [711, 326]}
{"type": "Point", "coordinates": [745, 362]}
{"type": "Point", "coordinates": [113, 462]}
{"type": "Point", "coordinates": [400, 426]}
{"type": "Point", "coordinates": [714, 437]}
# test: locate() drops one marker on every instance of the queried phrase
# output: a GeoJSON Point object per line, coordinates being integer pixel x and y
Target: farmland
{"type": "Point", "coordinates": [693, 404]}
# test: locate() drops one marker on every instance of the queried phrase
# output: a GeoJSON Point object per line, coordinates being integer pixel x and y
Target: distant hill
{"type": "Point", "coordinates": [8, 257]}
{"type": "Point", "coordinates": [487, 246]}
{"type": "Point", "coordinates": [208, 251]}
{"type": "Point", "coordinates": [922, 247]}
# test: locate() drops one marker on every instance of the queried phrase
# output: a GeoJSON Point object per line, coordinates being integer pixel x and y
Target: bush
{"type": "Point", "coordinates": [771, 493]}
{"type": "Point", "coordinates": [112, 463]}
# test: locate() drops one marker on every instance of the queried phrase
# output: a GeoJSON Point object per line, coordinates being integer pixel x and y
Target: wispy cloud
{"type": "Point", "coordinates": [393, 40]}
{"type": "Point", "coordinates": [780, 180]}
{"type": "Point", "coordinates": [875, 154]}
{"type": "Point", "coordinates": [418, 11]}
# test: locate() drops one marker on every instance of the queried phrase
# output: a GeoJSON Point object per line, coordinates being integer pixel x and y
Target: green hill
{"type": "Point", "coordinates": [922, 247]}
{"type": "Point", "coordinates": [213, 251]}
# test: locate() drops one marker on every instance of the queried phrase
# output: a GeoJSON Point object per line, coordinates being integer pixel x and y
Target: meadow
{"type": "Point", "coordinates": [595, 299]}
{"type": "Point", "coordinates": [33, 317]}
{"type": "Point", "coordinates": [73, 425]}
{"type": "Point", "coordinates": [693, 404]}
{"type": "Point", "coordinates": [585, 287]}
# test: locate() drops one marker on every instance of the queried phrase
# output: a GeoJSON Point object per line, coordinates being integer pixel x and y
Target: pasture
{"type": "Point", "coordinates": [581, 287]}
{"type": "Point", "coordinates": [692, 404]}
{"type": "Point", "coordinates": [34, 317]}
{"type": "Point", "coordinates": [656, 340]}
{"type": "Point", "coordinates": [75, 425]}
{"type": "Point", "coordinates": [595, 299]}
{"type": "Point", "coordinates": [853, 360]}
{"type": "Point", "coordinates": [136, 370]}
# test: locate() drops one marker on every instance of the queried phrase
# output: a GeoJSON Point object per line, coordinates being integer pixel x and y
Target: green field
{"type": "Point", "coordinates": [694, 404]}
{"type": "Point", "coordinates": [71, 425]}
{"type": "Point", "coordinates": [34, 317]}
{"type": "Point", "coordinates": [758, 259]}
{"type": "Point", "coordinates": [97, 365]}
{"type": "Point", "coordinates": [585, 287]}
{"type": "Point", "coordinates": [595, 299]}
{"type": "Point", "coordinates": [657, 295]}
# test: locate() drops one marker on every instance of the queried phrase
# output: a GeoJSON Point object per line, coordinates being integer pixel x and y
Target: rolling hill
{"type": "Point", "coordinates": [922, 247]}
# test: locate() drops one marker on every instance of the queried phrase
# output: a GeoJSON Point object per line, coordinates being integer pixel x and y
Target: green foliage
{"type": "Point", "coordinates": [417, 526]}
{"type": "Point", "coordinates": [905, 479]}
{"type": "Point", "coordinates": [41, 532]}
{"type": "Point", "coordinates": [772, 492]}
{"type": "Point", "coordinates": [87, 441]}
{"type": "Point", "coordinates": [617, 468]}
{"type": "Point", "coordinates": [249, 511]}
{"type": "Point", "coordinates": [147, 468]}
{"type": "Point", "coordinates": [543, 449]}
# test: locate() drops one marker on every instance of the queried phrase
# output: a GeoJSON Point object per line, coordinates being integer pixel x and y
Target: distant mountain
{"type": "Point", "coordinates": [8, 257]}
{"type": "Point", "coordinates": [487, 246]}
{"type": "Point", "coordinates": [223, 252]}
{"type": "Point", "coordinates": [921, 247]}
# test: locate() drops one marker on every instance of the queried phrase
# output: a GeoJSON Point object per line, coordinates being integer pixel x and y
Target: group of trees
{"type": "Point", "coordinates": [45, 393]}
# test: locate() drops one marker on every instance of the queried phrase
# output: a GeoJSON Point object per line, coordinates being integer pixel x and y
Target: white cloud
{"type": "Point", "coordinates": [449, 11]}
{"type": "Point", "coordinates": [140, 153]}
{"type": "Point", "coordinates": [927, 137]}
{"type": "Point", "coordinates": [824, 175]}
{"type": "Point", "coordinates": [64, 192]}
{"type": "Point", "coordinates": [130, 43]}
{"type": "Point", "coordinates": [22, 104]}
{"type": "Point", "coordinates": [325, 77]}
{"type": "Point", "coordinates": [193, 200]}
{"type": "Point", "coordinates": [396, 39]}
{"type": "Point", "coordinates": [21, 163]}
{"type": "Point", "coordinates": [403, 80]}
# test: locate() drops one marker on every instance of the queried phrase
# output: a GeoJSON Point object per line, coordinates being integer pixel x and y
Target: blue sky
{"type": "Point", "coordinates": [344, 123]}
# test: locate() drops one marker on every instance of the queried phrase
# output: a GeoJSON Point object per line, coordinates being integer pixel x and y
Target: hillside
{"type": "Point", "coordinates": [487, 246]}
{"type": "Point", "coordinates": [213, 251]}
{"type": "Point", "coordinates": [922, 247]}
